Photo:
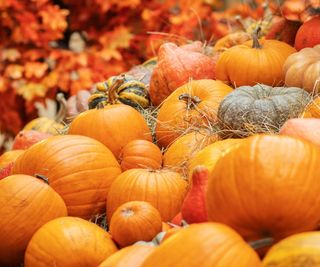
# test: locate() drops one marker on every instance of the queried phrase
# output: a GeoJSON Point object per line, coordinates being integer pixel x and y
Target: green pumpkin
{"type": "Point", "coordinates": [259, 109]}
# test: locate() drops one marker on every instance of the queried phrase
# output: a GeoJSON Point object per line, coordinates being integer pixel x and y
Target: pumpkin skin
{"type": "Point", "coordinates": [205, 245]}
{"type": "Point", "coordinates": [6, 171]}
{"type": "Point", "coordinates": [176, 66]}
{"type": "Point", "coordinates": [261, 62]}
{"type": "Point", "coordinates": [114, 126]}
{"type": "Point", "coordinates": [179, 154]}
{"type": "Point", "coordinates": [79, 168]}
{"type": "Point", "coordinates": [9, 157]}
{"type": "Point", "coordinates": [164, 189]}
{"type": "Point", "coordinates": [140, 154]}
{"type": "Point", "coordinates": [274, 195]}
{"type": "Point", "coordinates": [44, 125]}
{"type": "Point", "coordinates": [312, 110]}
{"type": "Point", "coordinates": [25, 139]}
{"type": "Point", "coordinates": [231, 40]}
{"type": "Point", "coordinates": [192, 106]}
{"type": "Point", "coordinates": [307, 129]}
{"type": "Point", "coordinates": [258, 109]}
{"type": "Point", "coordinates": [135, 221]}
{"type": "Point", "coordinates": [209, 155]}
{"type": "Point", "coordinates": [26, 203]}
{"type": "Point", "coordinates": [73, 242]}
{"type": "Point", "coordinates": [132, 256]}
{"type": "Point", "coordinates": [297, 250]}
{"type": "Point", "coordinates": [302, 69]}
{"type": "Point", "coordinates": [308, 34]}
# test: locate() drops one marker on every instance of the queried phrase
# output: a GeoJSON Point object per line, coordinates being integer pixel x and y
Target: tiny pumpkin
{"type": "Point", "coordinates": [26, 203]}
{"type": "Point", "coordinates": [69, 242]}
{"type": "Point", "coordinates": [140, 154]}
{"type": "Point", "coordinates": [135, 221]}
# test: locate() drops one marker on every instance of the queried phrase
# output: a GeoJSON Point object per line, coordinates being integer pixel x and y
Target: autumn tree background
{"type": "Point", "coordinates": [50, 46]}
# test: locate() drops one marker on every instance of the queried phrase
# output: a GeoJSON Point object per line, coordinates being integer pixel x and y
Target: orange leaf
{"type": "Point", "coordinates": [31, 90]}
{"type": "Point", "coordinates": [10, 54]}
{"type": "Point", "coordinates": [14, 71]}
{"type": "Point", "coordinates": [35, 69]}
{"type": "Point", "coordinates": [54, 18]}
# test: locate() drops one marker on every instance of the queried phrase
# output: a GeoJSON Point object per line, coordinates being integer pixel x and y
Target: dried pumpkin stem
{"type": "Point", "coordinates": [42, 177]}
{"type": "Point", "coordinates": [261, 243]}
{"type": "Point", "coordinates": [191, 101]}
{"type": "Point", "coordinates": [255, 37]}
{"type": "Point", "coordinates": [112, 90]}
{"type": "Point", "coordinates": [62, 108]}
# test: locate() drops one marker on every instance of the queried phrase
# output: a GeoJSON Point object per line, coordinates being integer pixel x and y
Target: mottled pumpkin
{"type": "Point", "coordinates": [297, 250]}
{"type": "Point", "coordinates": [69, 242]}
{"type": "Point", "coordinates": [114, 126]}
{"type": "Point", "coordinates": [164, 189]}
{"type": "Point", "coordinates": [308, 34]}
{"type": "Point", "coordinates": [179, 154]}
{"type": "Point", "coordinates": [25, 139]}
{"type": "Point", "coordinates": [9, 157]}
{"type": "Point", "coordinates": [302, 69]}
{"type": "Point", "coordinates": [261, 108]}
{"type": "Point", "coordinates": [132, 256]}
{"type": "Point", "coordinates": [135, 221]}
{"type": "Point", "coordinates": [255, 61]}
{"type": "Point", "coordinates": [192, 106]}
{"type": "Point", "coordinates": [268, 186]}
{"type": "Point", "coordinates": [26, 203]}
{"type": "Point", "coordinates": [205, 245]}
{"type": "Point", "coordinates": [79, 168]}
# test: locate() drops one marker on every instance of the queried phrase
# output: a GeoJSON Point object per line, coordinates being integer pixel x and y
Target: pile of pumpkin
{"type": "Point", "coordinates": [230, 179]}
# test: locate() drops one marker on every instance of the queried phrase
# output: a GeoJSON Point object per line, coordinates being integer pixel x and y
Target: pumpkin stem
{"type": "Point", "coordinates": [255, 37]}
{"type": "Point", "coordinates": [191, 101]}
{"type": "Point", "coordinates": [62, 109]}
{"type": "Point", "coordinates": [261, 243]}
{"type": "Point", "coordinates": [42, 177]}
{"type": "Point", "coordinates": [112, 93]}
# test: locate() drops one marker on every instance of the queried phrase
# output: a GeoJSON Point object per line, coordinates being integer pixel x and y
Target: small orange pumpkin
{"type": "Point", "coordinates": [140, 154]}
{"type": "Point", "coordinates": [132, 256]}
{"type": "Point", "coordinates": [26, 203]}
{"type": "Point", "coordinates": [135, 221]}
{"type": "Point", "coordinates": [69, 242]}
{"type": "Point", "coordinates": [164, 189]}
{"type": "Point", "coordinates": [114, 126]}
{"type": "Point", "coordinates": [256, 61]}
{"type": "Point", "coordinates": [231, 40]}
{"type": "Point", "coordinates": [189, 108]}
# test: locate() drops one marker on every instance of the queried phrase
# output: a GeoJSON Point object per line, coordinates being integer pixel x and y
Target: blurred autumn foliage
{"type": "Point", "coordinates": [48, 46]}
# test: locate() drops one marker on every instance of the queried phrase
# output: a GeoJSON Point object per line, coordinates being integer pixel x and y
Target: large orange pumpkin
{"type": "Point", "coordinates": [69, 242]}
{"type": "Point", "coordinates": [135, 221]}
{"type": "Point", "coordinates": [140, 154]}
{"type": "Point", "coordinates": [176, 66]}
{"type": "Point", "coordinates": [132, 256]}
{"type": "Point", "coordinates": [268, 186]}
{"type": "Point", "coordinates": [26, 203]}
{"type": "Point", "coordinates": [114, 126]}
{"type": "Point", "coordinates": [192, 106]}
{"type": "Point", "coordinates": [254, 62]}
{"type": "Point", "coordinates": [205, 245]}
{"type": "Point", "coordinates": [179, 154]}
{"type": "Point", "coordinates": [164, 189]}
{"type": "Point", "coordinates": [297, 250]}
{"type": "Point", "coordinates": [79, 168]}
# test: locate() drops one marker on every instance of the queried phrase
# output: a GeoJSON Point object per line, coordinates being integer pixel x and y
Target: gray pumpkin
{"type": "Point", "coordinates": [259, 109]}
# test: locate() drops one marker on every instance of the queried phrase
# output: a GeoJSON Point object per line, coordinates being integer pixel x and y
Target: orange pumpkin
{"type": "Point", "coordinates": [192, 106]}
{"type": "Point", "coordinates": [132, 256]}
{"type": "Point", "coordinates": [302, 69]}
{"type": "Point", "coordinates": [297, 250]}
{"type": "Point", "coordinates": [307, 129]}
{"type": "Point", "coordinates": [255, 61]}
{"type": "Point", "coordinates": [140, 154]}
{"type": "Point", "coordinates": [205, 245]}
{"type": "Point", "coordinates": [164, 189]}
{"type": "Point", "coordinates": [308, 34]}
{"type": "Point", "coordinates": [268, 186]}
{"type": "Point", "coordinates": [79, 168]}
{"type": "Point", "coordinates": [175, 67]}
{"type": "Point", "coordinates": [179, 154]}
{"type": "Point", "coordinates": [114, 126]}
{"type": "Point", "coordinates": [9, 157]}
{"type": "Point", "coordinates": [25, 139]}
{"type": "Point", "coordinates": [69, 242]}
{"type": "Point", "coordinates": [135, 221]}
{"type": "Point", "coordinates": [209, 155]}
{"type": "Point", "coordinates": [231, 40]}
{"type": "Point", "coordinates": [26, 203]}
